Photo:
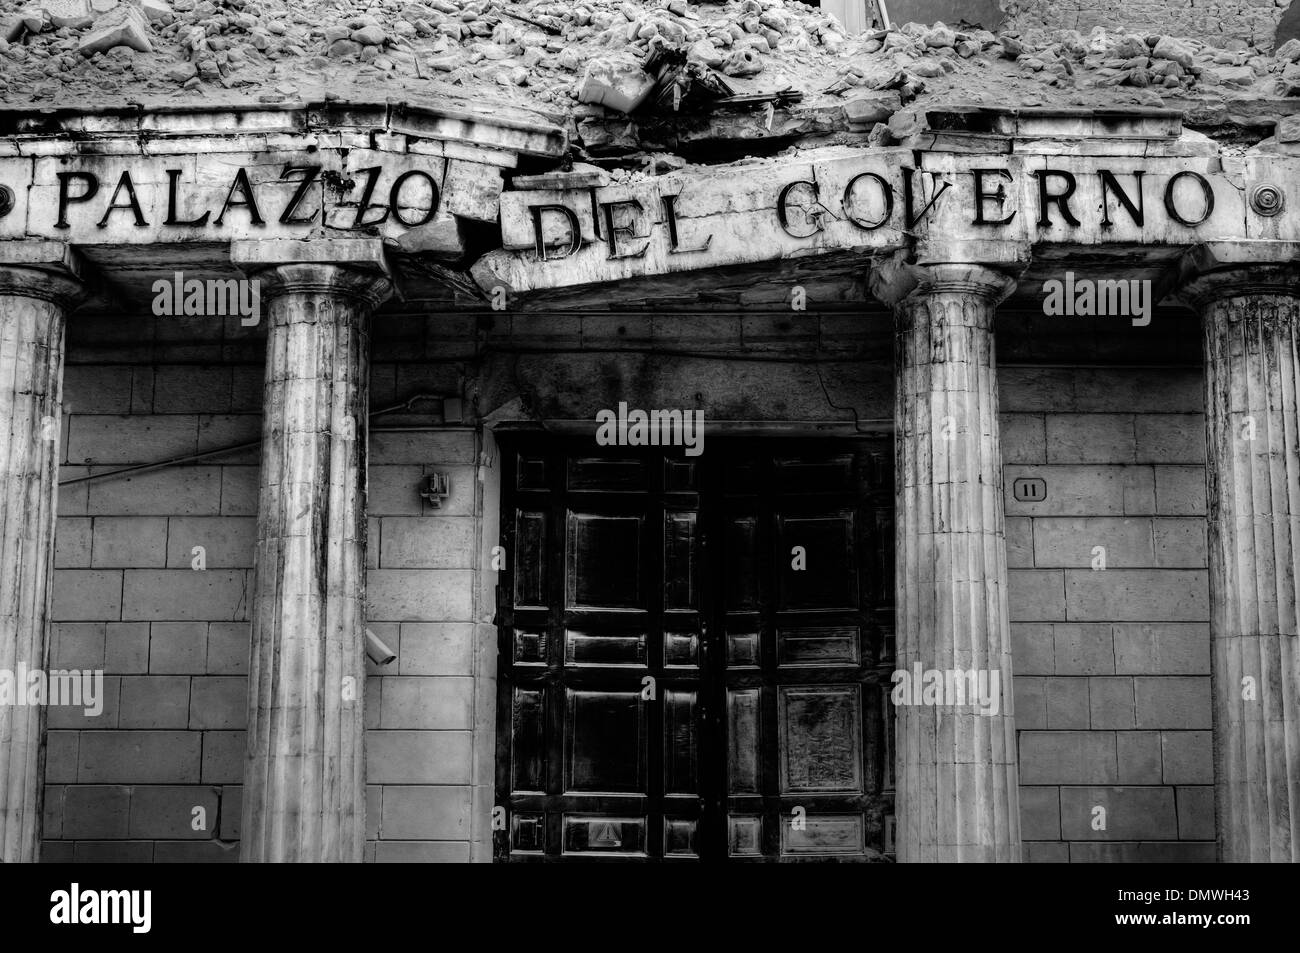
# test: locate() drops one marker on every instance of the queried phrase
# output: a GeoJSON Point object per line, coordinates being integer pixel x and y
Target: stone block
{"type": "Point", "coordinates": [1195, 813]}
{"type": "Point", "coordinates": [1171, 438]}
{"type": "Point", "coordinates": [91, 594]}
{"type": "Point", "coordinates": [1138, 753]}
{"type": "Point", "coordinates": [228, 542]}
{"type": "Point", "coordinates": [1083, 648]}
{"type": "Point", "coordinates": [98, 439]}
{"type": "Point", "coordinates": [1031, 702]}
{"type": "Point", "coordinates": [123, 26]}
{"type": "Point", "coordinates": [1172, 702]}
{"type": "Point", "coordinates": [229, 645]}
{"type": "Point", "coordinates": [422, 852]}
{"type": "Point", "coordinates": [129, 542]}
{"type": "Point", "coordinates": [178, 648]}
{"type": "Point", "coordinates": [1067, 702]}
{"type": "Point", "coordinates": [1180, 491]}
{"type": "Point", "coordinates": [1132, 813]}
{"type": "Point", "coordinates": [419, 757]}
{"type": "Point", "coordinates": [169, 812]}
{"type": "Point", "coordinates": [155, 701]}
{"type": "Point", "coordinates": [1084, 491]}
{"type": "Point", "coordinates": [1035, 595]}
{"type": "Point", "coordinates": [1071, 543]}
{"type": "Point", "coordinates": [425, 813]}
{"type": "Point", "coordinates": [95, 811]}
{"type": "Point", "coordinates": [1067, 757]}
{"type": "Point", "coordinates": [72, 543]}
{"type": "Point", "coordinates": [1040, 813]}
{"type": "Point", "coordinates": [1124, 595]}
{"type": "Point", "coordinates": [219, 702]}
{"type": "Point", "coordinates": [1090, 438]}
{"type": "Point", "coordinates": [139, 757]}
{"type": "Point", "coordinates": [427, 542]}
{"type": "Point", "coordinates": [1187, 757]}
{"type": "Point", "coordinates": [223, 757]}
{"type": "Point", "coordinates": [1032, 648]}
{"type": "Point", "coordinates": [1111, 702]}
{"type": "Point", "coordinates": [1023, 438]}
{"type": "Point", "coordinates": [183, 595]}
{"type": "Point", "coordinates": [1180, 543]}
{"type": "Point", "coordinates": [180, 491]}
{"type": "Point", "coordinates": [419, 595]}
{"type": "Point", "coordinates": [1162, 648]}
{"type": "Point", "coordinates": [427, 702]}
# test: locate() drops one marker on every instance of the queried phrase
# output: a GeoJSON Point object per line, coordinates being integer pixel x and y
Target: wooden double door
{"type": "Point", "coordinates": [695, 653]}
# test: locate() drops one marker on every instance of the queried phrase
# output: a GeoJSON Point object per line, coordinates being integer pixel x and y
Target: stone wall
{"type": "Point", "coordinates": [173, 640]}
{"type": "Point", "coordinates": [1112, 666]}
{"type": "Point", "coordinates": [1213, 21]}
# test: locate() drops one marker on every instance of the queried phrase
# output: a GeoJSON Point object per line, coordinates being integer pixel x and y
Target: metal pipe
{"type": "Point", "coordinates": [205, 454]}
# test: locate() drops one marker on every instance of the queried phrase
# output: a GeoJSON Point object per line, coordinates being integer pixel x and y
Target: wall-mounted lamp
{"type": "Point", "coordinates": [437, 487]}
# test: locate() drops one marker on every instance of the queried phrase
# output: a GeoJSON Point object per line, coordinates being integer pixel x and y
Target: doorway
{"type": "Point", "coordinates": [695, 652]}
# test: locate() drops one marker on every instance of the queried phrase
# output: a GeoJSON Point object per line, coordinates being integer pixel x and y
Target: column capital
{"type": "Point", "coordinates": [1216, 271]}
{"type": "Point", "coordinates": [352, 268]}
{"type": "Point", "coordinates": [367, 288]}
{"type": "Point", "coordinates": [47, 271]}
{"type": "Point", "coordinates": [896, 280]}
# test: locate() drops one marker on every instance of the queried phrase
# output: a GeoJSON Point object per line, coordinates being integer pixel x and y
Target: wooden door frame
{"type": "Point", "coordinates": [489, 497]}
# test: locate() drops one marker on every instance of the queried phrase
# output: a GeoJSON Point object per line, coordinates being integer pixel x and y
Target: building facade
{"type": "Point", "coordinates": [1014, 400]}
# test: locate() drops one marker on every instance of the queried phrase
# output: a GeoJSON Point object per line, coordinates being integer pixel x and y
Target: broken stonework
{"type": "Point", "coordinates": [158, 10]}
{"type": "Point", "coordinates": [369, 36]}
{"type": "Point", "coordinates": [1170, 49]}
{"type": "Point", "coordinates": [1235, 75]}
{"type": "Point", "coordinates": [125, 26]}
{"type": "Point", "coordinates": [534, 53]}
{"type": "Point", "coordinates": [71, 13]}
{"type": "Point", "coordinates": [865, 111]}
{"type": "Point", "coordinates": [618, 82]}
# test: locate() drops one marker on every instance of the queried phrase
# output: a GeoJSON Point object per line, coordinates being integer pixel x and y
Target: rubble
{"type": "Point", "coordinates": [790, 65]}
{"type": "Point", "coordinates": [618, 82]}
{"type": "Point", "coordinates": [67, 13]}
{"type": "Point", "coordinates": [122, 26]}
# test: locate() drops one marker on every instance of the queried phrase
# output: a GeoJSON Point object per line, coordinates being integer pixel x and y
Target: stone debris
{"type": "Point", "coordinates": [122, 27]}
{"type": "Point", "coordinates": [616, 81]}
{"type": "Point", "coordinates": [564, 57]}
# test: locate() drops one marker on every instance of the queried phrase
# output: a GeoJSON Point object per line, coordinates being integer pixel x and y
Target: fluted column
{"type": "Point", "coordinates": [33, 309]}
{"type": "Point", "coordinates": [304, 785]}
{"type": "Point", "coordinates": [1251, 317]}
{"type": "Point", "coordinates": [956, 767]}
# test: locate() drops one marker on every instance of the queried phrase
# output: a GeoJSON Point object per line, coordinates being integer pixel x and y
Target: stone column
{"type": "Point", "coordinates": [304, 782]}
{"type": "Point", "coordinates": [957, 796]}
{"type": "Point", "coordinates": [34, 304]}
{"type": "Point", "coordinates": [1251, 317]}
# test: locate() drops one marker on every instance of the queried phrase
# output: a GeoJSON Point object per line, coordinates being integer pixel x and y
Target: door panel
{"type": "Point", "coordinates": [694, 653]}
